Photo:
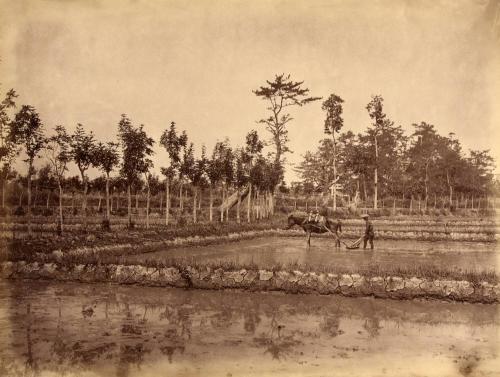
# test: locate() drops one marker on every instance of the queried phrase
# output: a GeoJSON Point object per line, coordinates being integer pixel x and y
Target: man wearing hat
{"type": "Point", "coordinates": [369, 233]}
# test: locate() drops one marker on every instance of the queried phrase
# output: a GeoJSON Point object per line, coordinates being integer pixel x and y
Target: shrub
{"type": "Point", "coordinates": [4, 212]}
{"type": "Point", "coordinates": [19, 211]}
{"type": "Point", "coordinates": [105, 225]}
{"type": "Point", "coordinates": [182, 221]}
{"type": "Point", "coordinates": [121, 212]}
{"type": "Point", "coordinates": [47, 212]}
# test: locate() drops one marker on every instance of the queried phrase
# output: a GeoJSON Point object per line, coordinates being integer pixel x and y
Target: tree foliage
{"type": "Point", "coordinates": [280, 94]}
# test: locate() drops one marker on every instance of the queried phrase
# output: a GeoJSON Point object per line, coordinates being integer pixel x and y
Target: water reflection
{"type": "Point", "coordinates": [122, 331]}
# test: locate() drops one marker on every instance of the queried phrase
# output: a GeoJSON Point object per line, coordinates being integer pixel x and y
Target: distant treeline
{"type": "Point", "coordinates": [377, 165]}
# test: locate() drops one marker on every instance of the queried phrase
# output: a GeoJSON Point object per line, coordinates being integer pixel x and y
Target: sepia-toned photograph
{"type": "Point", "coordinates": [232, 188]}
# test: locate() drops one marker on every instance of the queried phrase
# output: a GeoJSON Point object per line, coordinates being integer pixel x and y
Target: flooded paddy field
{"type": "Point", "coordinates": [67, 329]}
{"type": "Point", "coordinates": [268, 251]}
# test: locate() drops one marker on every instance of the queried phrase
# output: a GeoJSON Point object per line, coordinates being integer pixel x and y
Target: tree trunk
{"type": "Point", "coordinates": [30, 167]}
{"type": "Point", "coordinates": [222, 211]}
{"type": "Point", "coordinates": [227, 207]}
{"type": "Point", "coordinates": [108, 213]}
{"type": "Point", "coordinates": [211, 204]}
{"type": "Point", "coordinates": [129, 205]}
{"type": "Point", "coordinates": [181, 202]}
{"type": "Point", "coordinates": [375, 177]}
{"type": "Point", "coordinates": [249, 202]}
{"type": "Point", "coordinates": [365, 194]}
{"type": "Point", "coordinates": [60, 207]}
{"type": "Point", "coordinates": [194, 203]}
{"type": "Point", "coordinates": [137, 202]}
{"type": "Point", "coordinates": [161, 204]}
{"type": "Point", "coordinates": [99, 203]}
{"type": "Point", "coordinates": [84, 206]}
{"type": "Point", "coordinates": [334, 172]}
{"type": "Point", "coordinates": [426, 184]}
{"type": "Point", "coordinates": [148, 196]}
{"type": "Point", "coordinates": [48, 200]}
{"type": "Point", "coordinates": [411, 204]}
{"type": "Point", "coordinates": [200, 196]}
{"type": "Point", "coordinates": [35, 200]}
{"type": "Point", "coordinates": [167, 200]}
{"type": "Point", "coordinates": [4, 183]}
{"type": "Point", "coordinates": [238, 220]}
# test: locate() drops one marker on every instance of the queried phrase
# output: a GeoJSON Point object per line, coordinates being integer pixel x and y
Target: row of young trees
{"type": "Point", "coordinates": [385, 162]}
{"type": "Point", "coordinates": [227, 167]}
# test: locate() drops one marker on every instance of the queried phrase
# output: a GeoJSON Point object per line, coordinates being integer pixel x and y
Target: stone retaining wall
{"type": "Point", "coordinates": [259, 280]}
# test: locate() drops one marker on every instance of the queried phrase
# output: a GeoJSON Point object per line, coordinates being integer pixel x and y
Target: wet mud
{"type": "Point", "coordinates": [269, 251]}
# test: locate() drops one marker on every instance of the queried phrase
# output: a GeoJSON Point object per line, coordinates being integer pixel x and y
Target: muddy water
{"type": "Point", "coordinates": [66, 329]}
{"type": "Point", "coordinates": [270, 250]}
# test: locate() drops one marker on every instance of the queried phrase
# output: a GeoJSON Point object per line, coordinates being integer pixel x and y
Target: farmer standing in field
{"type": "Point", "coordinates": [369, 232]}
{"type": "Point", "coordinates": [337, 229]}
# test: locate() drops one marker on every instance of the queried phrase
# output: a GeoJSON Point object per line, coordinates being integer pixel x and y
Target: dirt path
{"type": "Point", "coordinates": [108, 330]}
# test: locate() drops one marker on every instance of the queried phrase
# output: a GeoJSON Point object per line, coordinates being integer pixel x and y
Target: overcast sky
{"type": "Point", "coordinates": [197, 62]}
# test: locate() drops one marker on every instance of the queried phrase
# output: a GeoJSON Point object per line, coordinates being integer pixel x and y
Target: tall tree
{"type": "Point", "coordinates": [375, 111]}
{"type": "Point", "coordinates": [422, 154]}
{"type": "Point", "coordinates": [333, 125]}
{"type": "Point", "coordinates": [450, 163]}
{"type": "Point", "coordinates": [185, 169]}
{"type": "Point", "coordinates": [7, 147]}
{"type": "Point", "coordinates": [137, 147]}
{"type": "Point", "coordinates": [197, 176]}
{"type": "Point", "coordinates": [59, 155]}
{"type": "Point", "coordinates": [240, 176]}
{"type": "Point", "coordinates": [107, 159]}
{"type": "Point", "coordinates": [27, 130]}
{"type": "Point", "coordinates": [172, 144]}
{"type": "Point", "coordinates": [253, 147]}
{"type": "Point", "coordinates": [83, 153]}
{"type": "Point", "coordinates": [280, 94]}
{"type": "Point", "coordinates": [214, 170]}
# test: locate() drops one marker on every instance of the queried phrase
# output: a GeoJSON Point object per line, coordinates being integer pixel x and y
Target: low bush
{"type": "Point", "coordinates": [19, 211]}
{"type": "Point", "coordinates": [120, 212]}
{"type": "Point", "coordinates": [47, 212]}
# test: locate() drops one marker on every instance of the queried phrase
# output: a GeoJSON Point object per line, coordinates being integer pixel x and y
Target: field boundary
{"type": "Point", "coordinates": [290, 281]}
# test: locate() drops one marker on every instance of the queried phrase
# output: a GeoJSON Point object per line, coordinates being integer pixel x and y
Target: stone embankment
{"type": "Point", "coordinates": [259, 280]}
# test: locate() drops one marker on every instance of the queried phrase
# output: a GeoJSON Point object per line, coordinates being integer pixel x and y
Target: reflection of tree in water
{"type": "Point", "coordinates": [372, 326]}
{"type": "Point", "coordinates": [130, 356]}
{"type": "Point", "coordinates": [250, 321]}
{"type": "Point", "coordinates": [222, 318]}
{"type": "Point", "coordinates": [331, 326]}
{"type": "Point", "coordinates": [31, 366]}
{"type": "Point", "coordinates": [170, 350]}
{"type": "Point", "coordinates": [179, 318]}
{"type": "Point", "coordinates": [276, 342]}
{"type": "Point", "coordinates": [330, 323]}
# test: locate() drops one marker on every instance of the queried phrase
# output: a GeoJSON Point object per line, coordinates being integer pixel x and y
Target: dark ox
{"type": "Point", "coordinates": [300, 219]}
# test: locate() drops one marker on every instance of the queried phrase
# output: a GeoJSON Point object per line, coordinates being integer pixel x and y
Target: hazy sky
{"type": "Point", "coordinates": [197, 62]}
